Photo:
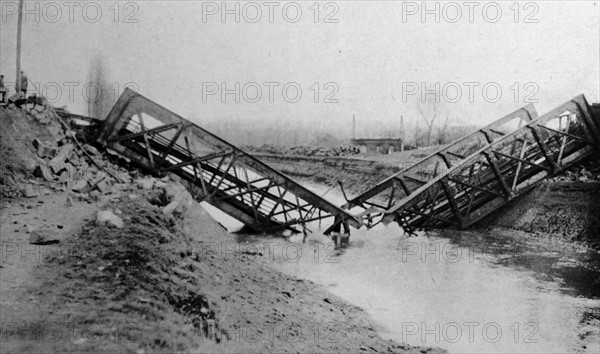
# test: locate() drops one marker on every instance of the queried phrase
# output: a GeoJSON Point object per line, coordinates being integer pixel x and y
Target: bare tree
{"type": "Point", "coordinates": [442, 129]}
{"type": "Point", "coordinates": [416, 137]}
{"type": "Point", "coordinates": [429, 111]}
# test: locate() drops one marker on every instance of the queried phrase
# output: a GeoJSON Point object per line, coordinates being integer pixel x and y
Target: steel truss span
{"type": "Point", "coordinates": [212, 169]}
{"type": "Point", "coordinates": [469, 179]}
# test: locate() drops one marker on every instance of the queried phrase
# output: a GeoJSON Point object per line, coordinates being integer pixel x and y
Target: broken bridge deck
{"type": "Point", "coordinates": [462, 188]}
{"type": "Point", "coordinates": [214, 170]}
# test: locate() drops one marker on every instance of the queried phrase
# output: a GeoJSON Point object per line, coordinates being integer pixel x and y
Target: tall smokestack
{"type": "Point", "coordinates": [402, 133]}
{"type": "Point", "coordinates": [353, 126]}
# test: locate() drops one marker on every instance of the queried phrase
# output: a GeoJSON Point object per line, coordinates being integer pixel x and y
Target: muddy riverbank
{"type": "Point", "coordinates": [566, 210]}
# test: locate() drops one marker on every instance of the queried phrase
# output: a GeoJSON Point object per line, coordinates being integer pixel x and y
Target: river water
{"type": "Point", "coordinates": [466, 291]}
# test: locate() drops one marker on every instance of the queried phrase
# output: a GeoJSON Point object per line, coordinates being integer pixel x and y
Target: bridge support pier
{"type": "Point", "coordinates": [340, 233]}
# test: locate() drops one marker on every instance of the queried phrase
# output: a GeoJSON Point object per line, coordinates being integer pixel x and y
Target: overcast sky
{"type": "Point", "coordinates": [372, 54]}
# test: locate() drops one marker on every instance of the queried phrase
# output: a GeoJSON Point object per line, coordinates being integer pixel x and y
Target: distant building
{"type": "Point", "coordinates": [381, 146]}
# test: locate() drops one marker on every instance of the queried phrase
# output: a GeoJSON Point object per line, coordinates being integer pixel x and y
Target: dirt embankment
{"type": "Point", "coordinates": [18, 130]}
{"type": "Point", "coordinates": [160, 278]}
{"type": "Point", "coordinates": [567, 210]}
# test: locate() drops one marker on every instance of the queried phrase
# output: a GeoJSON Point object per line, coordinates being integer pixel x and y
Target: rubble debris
{"type": "Point", "coordinates": [90, 149]}
{"type": "Point", "coordinates": [75, 160]}
{"type": "Point", "coordinates": [146, 183]}
{"type": "Point", "coordinates": [43, 237]}
{"type": "Point", "coordinates": [81, 186]}
{"type": "Point", "coordinates": [36, 143]}
{"type": "Point", "coordinates": [160, 185]}
{"type": "Point", "coordinates": [56, 131]}
{"type": "Point", "coordinates": [94, 194]}
{"type": "Point", "coordinates": [64, 176]}
{"type": "Point", "coordinates": [42, 171]}
{"type": "Point", "coordinates": [28, 191]}
{"type": "Point", "coordinates": [317, 151]}
{"type": "Point", "coordinates": [104, 186]}
{"type": "Point", "coordinates": [109, 218]}
{"type": "Point", "coordinates": [54, 155]}
{"type": "Point", "coordinates": [43, 150]}
{"type": "Point", "coordinates": [57, 163]}
{"type": "Point", "coordinates": [172, 177]}
{"type": "Point", "coordinates": [580, 173]}
{"type": "Point", "coordinates": [179, 198]}
{"type": "Point", "coordinates": [69, 201]}
{"type": "Point", "coordinates": [99, 177]}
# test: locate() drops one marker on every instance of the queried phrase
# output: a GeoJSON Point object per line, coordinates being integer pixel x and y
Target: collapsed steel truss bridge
{"type": "Point", "coordinates": [214, 170]}
{"type": "Point", "coordinates": [467, 180]}
{"type": "Point", "coordinates": [455, 186]}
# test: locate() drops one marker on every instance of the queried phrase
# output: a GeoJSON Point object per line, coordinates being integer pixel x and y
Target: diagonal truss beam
{"type": "Point", "coordinates": [233, 182]}
{"type": "Point", "coordinates": [541, 155]}
{"type": "Point", "coordinates": [456, 149]}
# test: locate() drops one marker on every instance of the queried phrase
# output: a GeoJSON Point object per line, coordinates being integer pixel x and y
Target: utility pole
{"type": "Point", "coordinates": [19, 25]}
{"type": "Point", "coordinates": [354, 127]}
